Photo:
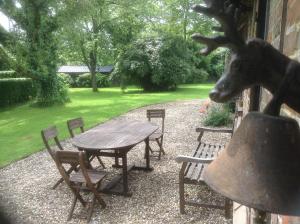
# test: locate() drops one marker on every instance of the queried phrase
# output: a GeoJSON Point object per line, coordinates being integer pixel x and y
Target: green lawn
{"type": "Point", "coordinates": [20, 126]}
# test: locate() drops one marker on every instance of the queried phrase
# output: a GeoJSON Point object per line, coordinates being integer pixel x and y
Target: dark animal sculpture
{"type": "Point", "coordinates": [255, 62]}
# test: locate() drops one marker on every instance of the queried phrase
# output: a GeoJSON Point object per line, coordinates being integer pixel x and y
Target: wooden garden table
{"type": "Point", "coordinates": [115, 139]}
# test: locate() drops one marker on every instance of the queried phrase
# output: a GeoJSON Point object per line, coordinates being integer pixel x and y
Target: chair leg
{"type": "Point", "coordinates": [97, 195]}
{"type": "Point", "coordinates": [161, 150]}
{"type": "Point", "coordinates": [181, 196]}
{"type": "Point", "coordinates": [228, 210]}
{"type": "Point", "coordinates": [62, 179]}
{"type": "Point", "coordinates": [72, 208]}
{"type": "Point", "coordinates": [161, 145]}
{"type": "Point", "coordinates": [150, 149]}
{"type": "Point", "coordinates": [57, 183]}
{"type": "Point", "coordinates": [101, 162]}
{"type": "Point", "coordinates": [91, 209]}
{"type": "Point", "coordinates": [159, 153]}
{"type": "Point", "coordinates": [181, 188]}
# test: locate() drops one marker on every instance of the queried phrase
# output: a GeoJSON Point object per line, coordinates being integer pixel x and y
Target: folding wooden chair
{"type": "Point", "coordinates": [158, 136]}
{"type": "Point", "coordinates": [85, 179]}
{"type": "Point", "coordinates": [77, 123]}
{"type": "Point", "coordinates": [51, 134]}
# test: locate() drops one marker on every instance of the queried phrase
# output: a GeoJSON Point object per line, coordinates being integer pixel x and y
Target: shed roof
{"type": "Point", "coordinates": [84, 69]}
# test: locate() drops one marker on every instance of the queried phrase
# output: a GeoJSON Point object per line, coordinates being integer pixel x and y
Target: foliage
{"type": "Point", "coordinates": [63, 89]}
{"type": "Point", "coordinates": [57, 95]}
{"type": "Point", "coordinates": [85, 31]}
{"type": "Point", "coordinates": [33, 46]}
{"type": "Point", "coordinates": [230, 106]}
{"type": "Point", "coordinates": [8, 74]}
{"type": "Point", "coordinates": [15, 90]}
{"type": "Point", "coordinates": [218, 115]}
{"type": "Point", "coordinates": [216, 63]}
{"type": "Point", "coordinates": [97, 31]}
{"type": "Point", "coordinates": [21, 125]}
{"type": "Point", "coordinates": [157, 64]}
{"type": "Point", "coordinates": [196, 72]}
{"type": "Point", "coordinates": [85, 80]}
{"type": "Point", "coordinates": [68, 79]}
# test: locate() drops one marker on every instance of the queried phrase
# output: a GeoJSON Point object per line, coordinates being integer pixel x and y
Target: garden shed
{"type": "Point", "coordinates": [75, 70]}
{"type": "Point", "coordinates": [278, 22]}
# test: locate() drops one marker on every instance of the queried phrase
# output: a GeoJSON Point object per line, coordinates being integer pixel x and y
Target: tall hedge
{"type": "Point", "coordinates": [15, 90]}
{"type": "Point", "coordinates": [8, 74]}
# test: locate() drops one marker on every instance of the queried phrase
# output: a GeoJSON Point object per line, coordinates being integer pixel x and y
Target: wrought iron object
{"type": "Point", "coordinates": [255, 62]}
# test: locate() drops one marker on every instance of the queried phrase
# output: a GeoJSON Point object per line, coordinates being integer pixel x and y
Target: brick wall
{"type": "Point", "coordinates": [290, 39]}
{"type": "Point", "coordinates": [291, 48]}
{"type": "Point", "coordinates": [283, 32]}
{"type": "Point", "coordinates": [273, 37]}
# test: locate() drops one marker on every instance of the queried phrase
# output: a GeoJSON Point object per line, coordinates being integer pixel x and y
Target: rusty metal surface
{"type": "Point", "coordinates": [260, 167]}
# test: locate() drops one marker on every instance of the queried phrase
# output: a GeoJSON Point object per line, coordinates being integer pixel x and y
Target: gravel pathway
{"type": "Point", "coordinates": [26, 195]}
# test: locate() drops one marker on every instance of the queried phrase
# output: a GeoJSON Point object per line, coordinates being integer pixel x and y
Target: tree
{"type": "Point", "coordinates": [96, 31]}
{"type": "Point", "coordinates": [34, 48]}
{"type": "Point", "coordinates": [174, 17]}
{"type": "Point", "coordinates": [84, 28]}
{"type": "Point", "coordinates": [158, 63]}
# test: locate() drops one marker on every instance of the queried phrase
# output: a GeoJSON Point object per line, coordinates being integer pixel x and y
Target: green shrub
{"type": "Point", "coordinates": [218, 115]}
{"type": "Point", "coordinates": [57, 95]}
{"type": "Point", "coordinates": [10, 74]}
{"type": "Point", "coordinates": [158, 64]}
{"type": "Point", "coordinates": [15, 90]}
{"type": "Point", "coordinates": [216, 63]}
{"type": "Point", "coordinates": [230, 106]}
{"type": "Point", "coordinates": [102, 80]}
{"type": "Point", "coordinates": [85, 80]}
{"type": "Point", "coordinates": [7, 74]}
{"type": "Point", "coordinates": [62, 88]}
{"type": "Point", "coordinates": [67, 79]}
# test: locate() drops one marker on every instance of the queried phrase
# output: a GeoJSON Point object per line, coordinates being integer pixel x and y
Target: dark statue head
{"type": "Point", "coordinates": [241, 72]}
{"type": "Point", "coordinates": [245, 57]}
{"type": "Point", "coordinates": [255, 62]}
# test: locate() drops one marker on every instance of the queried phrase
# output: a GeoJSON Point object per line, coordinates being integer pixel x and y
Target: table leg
{"type": "Point", "coordinates": [89, 157]}
{"type": "Point", "coordinates": [147, 153]}
{"type": "Point", "coordinates": [125, 174]}
{"type": "Point", "coordinates": [116, 161]}
{"type": "Point", "coordinates": [147, 158]}
{"type": "Point", "coordinates": [117, 164]}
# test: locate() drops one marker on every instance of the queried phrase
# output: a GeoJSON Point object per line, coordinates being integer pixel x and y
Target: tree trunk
{"type": "Point", "coordinates": [93, 67]}
{"type": "Point", "coordinates": [185, 18]}
{"type": "Point", "coordinates": [94, 81]}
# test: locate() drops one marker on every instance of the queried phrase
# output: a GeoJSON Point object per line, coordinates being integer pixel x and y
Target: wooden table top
{"type": "Point", "coordinates": [114, 134]}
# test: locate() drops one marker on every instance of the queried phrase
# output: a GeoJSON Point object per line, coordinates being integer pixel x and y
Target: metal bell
{"type": "Point", "coordinates": [260, 167]}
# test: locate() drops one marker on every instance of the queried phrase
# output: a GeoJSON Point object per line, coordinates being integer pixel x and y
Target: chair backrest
{"type": "Point", "coordinates": [75, 124]}
{"type": "Point", "coordinates": [74, 159]}
{"type": "Point", "coordinates": [48, 135]}
{"type": "Point", "coordinates": [157, 113]}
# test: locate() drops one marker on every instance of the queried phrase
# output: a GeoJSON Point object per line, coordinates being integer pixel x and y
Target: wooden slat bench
{"type": "Point", "coordinates": [192, 169]}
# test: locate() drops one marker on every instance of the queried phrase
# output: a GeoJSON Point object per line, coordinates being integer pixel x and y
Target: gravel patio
{"type": "Point", "coordinates": [26, 195]}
